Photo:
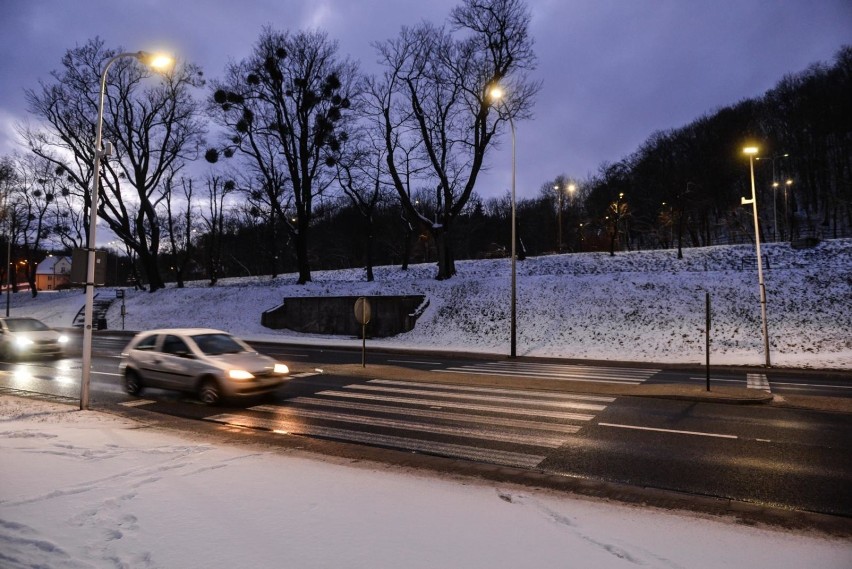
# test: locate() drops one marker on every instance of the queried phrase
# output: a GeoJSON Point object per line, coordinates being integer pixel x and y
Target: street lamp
{"type": "Point", "coordinates": [570, 188]}
{"type": "Point", "coordinates": [157, 62]}
{"type": "Point", "coordinates": [496, 94]}
{"type": "Point", "coordinates": [751, 151]}
{"type": "Point", "coordinates": [775, 185]}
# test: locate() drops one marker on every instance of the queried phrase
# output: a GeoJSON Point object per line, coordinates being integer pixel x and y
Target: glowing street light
{"type": "Point", "coordinates": [570, 188]}
{"type": "Point", "coordinates": [752, 151]}
{"type": "Point", "coordinates": [156, 61]}
{"type": "Point", "coordinates": [496, 94]}
{"type": "Point", "coordinates": [775, 186]}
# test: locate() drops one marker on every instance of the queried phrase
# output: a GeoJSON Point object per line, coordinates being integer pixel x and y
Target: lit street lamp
{"type": "Point", "coordinates": [570, 188]}
{"type": "Point", "coordinates": [751, 151]}
{"type": "Point", "coordinates": [157, 62]}
{"type": "Point", "coordinates": [775, 185]}
{"type": "Point", "coordinates": [496, 94]}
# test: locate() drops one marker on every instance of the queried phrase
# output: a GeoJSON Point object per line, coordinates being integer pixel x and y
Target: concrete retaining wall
{"type": "Point", "coordinates": [391, 315]}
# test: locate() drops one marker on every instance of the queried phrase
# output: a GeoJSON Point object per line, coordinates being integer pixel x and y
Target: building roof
{"type": "Point", "coordinates": [46, 267]}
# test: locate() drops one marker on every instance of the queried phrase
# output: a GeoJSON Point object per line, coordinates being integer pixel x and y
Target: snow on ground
{"type": "Point", "coordinates": [635, 306]}
{"type": "Point", "coordinates": [83, 489]}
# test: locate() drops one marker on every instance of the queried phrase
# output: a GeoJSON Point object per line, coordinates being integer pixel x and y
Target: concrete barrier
{"type": "Point", "coordinates": [335, 315]}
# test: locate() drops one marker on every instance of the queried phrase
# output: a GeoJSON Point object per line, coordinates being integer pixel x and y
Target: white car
{"type": "Point", "coordinates": [211, 363]}
{"type": "Point", "coordinates": [23, 337]}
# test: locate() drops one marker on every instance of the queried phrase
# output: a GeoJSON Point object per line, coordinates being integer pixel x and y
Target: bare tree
{"type": "Point", "coordinates": [434, 96]}
{"type": "Point", "coordinates": [29, 205]}
{"type": "Point", "coordinates": [213, 219]}
{"type": "Point", "coordinates": [154, 128]}
{"type": "Point", "coordinates": [285, 108]}
{"type": "Point", "coordinates": [179, 225]}
{"type": "Point", "coordinates": [361, 176]}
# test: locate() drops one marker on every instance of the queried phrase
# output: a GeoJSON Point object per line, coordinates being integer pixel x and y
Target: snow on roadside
{"type": "Point", "coordinates": [82, 489]}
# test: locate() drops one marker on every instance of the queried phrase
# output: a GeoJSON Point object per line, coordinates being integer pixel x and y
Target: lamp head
{"type": "Point", "coordinates": [496, 93]}
{"type": "Point", "coordinates": [751, 150]}
{"type": "Point", "coordinates": [158, 61]}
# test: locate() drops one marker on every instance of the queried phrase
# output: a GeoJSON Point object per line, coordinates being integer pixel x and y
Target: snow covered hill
{"type": "Point", "coordinates": [635, 306]}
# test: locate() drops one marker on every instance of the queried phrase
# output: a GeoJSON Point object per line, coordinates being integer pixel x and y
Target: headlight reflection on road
{"type": "Point", "coordinates": [25, 376]}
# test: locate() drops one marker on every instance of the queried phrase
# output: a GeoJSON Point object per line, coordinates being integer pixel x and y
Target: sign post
{"type": "Point", "coordinates": [362, 315]}
{"type": "Point", "coordinates": [119, 293]}
{"type": "Point", "coordinates": [707, 336]}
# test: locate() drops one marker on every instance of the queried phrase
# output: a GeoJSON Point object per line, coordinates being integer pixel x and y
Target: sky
{"type": "Point", "coordinates": [613, 71]}
{"type": "Point", "coordinates": [85, 489]}
{"type": "Point", "coordinates": [641, 306]}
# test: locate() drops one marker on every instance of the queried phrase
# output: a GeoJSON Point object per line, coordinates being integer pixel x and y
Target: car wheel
{"type": "Point", "coordinates": [132, 382]}
{"type": "Point", "coordinates": [209, 393]}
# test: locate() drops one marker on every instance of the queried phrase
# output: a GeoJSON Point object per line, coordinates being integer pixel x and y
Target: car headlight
{"type": "Point", "coordinates": [62, 339]}
{"type": "Point", "coordinates": [281, 368]}
{"type": "Point", "coordinates": [23, 342]}
{"type": "Point", "coordinates": [240, 374]}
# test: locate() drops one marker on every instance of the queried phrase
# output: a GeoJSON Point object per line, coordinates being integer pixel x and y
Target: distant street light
{"type": "Point", "coordinates": [570, 188]}
{"type": "Point", "coordinates": [787, 184]}
{"type": "Point", "coordinates": [775, 185]}
{"type": "Point", "coordinates": [751, 151]}
{"type": "Point", "coordinates": [157, 62]}
{"type": "Point", "coordinates": [496, 94]}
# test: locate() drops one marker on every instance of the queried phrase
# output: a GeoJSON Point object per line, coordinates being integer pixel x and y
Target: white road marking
{"type": "Point", "coordinates": [456, 405]}
{"type": "Point", "coordinates": [757, 381]}
{"type": "Point", "coordinates": [570, 372]}
{"type": "Point", "coordinates": [413, 362]}
{"type": "Point", "coordinates": [492, 398]}
{"type": "Point", "coordinates": [675, 431]}
{"type": "Point", "coordinates": [136, 403]}
{"type": "Point", "coordinates": [429, 414]}
{"type": "Point", "coordinates": [474, 389]}
{"type": "Point", "coordinates": [476, 433]}
{"type": "Point", "coordinates": [403, 443]}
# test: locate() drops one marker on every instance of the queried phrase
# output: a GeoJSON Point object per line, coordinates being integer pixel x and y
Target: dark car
{"type": "Point", "coordinates": [210, 363]}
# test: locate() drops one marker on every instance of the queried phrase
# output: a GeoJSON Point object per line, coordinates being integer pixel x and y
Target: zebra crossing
{"type": "Point", "coordinates": [509, 427]}
{"type": "Point", "coordinates": [557, 371]}
{"type": "Point", "coordinates": [758, 381]}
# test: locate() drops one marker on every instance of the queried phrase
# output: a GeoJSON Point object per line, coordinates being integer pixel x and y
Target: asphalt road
{"type": "Point", "coordinates": [566, 419]}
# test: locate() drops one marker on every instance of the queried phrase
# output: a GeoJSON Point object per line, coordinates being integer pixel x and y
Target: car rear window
{"type": "Point", "coordinates": [216, 344]}
{"type": "Point", "coordinates": [147, 343]}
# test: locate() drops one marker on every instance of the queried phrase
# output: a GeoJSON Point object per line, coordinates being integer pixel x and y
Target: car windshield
{"type": "Point", "coordinates": [26, 325]}
{"type": "Point", "coordinates": [216, 344]}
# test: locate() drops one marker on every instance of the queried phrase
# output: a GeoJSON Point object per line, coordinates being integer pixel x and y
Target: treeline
{"type": "Point", "coordinates": [312, 165]}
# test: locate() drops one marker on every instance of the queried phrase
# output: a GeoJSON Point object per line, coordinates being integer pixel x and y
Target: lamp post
{"type": "Point", "coordinates": [570, 188]}
{"type": "Point", "coordinates": [496, 94]}
{"type": "Point", "coordinates": [787, 184]}
{"type": "Point", "coordinates": [751, 151]}
{"type": "Point", "coordinates": [157, 62]}
{"type": "Point", "coordinates": [558, 218]}
{"type": "Point", "coordinates": [775, 185]}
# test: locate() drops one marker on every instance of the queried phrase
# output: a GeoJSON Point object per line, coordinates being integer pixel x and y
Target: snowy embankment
{"type": "Point", "coordinates": [635, 306]}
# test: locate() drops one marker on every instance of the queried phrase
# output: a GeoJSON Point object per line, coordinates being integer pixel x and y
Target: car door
{"type": "Point", "coordinates": [177, 363]}
{"type": "Point", "coordinates": [145, 358]}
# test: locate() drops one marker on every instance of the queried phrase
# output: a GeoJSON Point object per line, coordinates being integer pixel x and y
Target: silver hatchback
{"type": "Point", "coordinates": [211, 363]}
{"type": "Point", "coordinates": [28, 337]}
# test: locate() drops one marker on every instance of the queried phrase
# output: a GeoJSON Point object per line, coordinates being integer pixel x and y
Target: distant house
{"type": "Point", "coordinates": [53, 273]}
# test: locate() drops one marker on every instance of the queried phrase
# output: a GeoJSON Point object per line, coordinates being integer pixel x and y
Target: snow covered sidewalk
{"type": "Point", "coordinates": [83, 489]}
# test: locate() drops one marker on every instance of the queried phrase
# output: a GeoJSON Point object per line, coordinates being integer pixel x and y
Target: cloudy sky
{"type": "Point", "coordinates": [614, 71]}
